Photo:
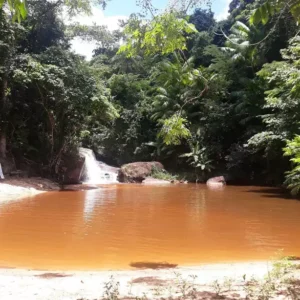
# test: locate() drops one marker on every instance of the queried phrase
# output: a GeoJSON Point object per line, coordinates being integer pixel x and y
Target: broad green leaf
{"type": "Point", "coordinates": [241, 26]}
{"type": "Point", "coordinates": [264, 14]}
{"type": "Point", "coordinates": [295, 10]}
{"type": "Point", "coordinates": [255, 17]}
{"type": "Point", "coordinates": [23, 10]}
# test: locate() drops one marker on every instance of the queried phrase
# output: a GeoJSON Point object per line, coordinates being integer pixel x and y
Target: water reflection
{"type": "Point", "coordinates": [216, 187]}
{"type": "Point", "coordinates": [91, 197]}
{"type": "Point", "coordinates": [95, 198]}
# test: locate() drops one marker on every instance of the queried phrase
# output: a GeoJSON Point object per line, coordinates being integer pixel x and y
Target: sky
{"type": "Point", "coordinates": [126, 7]}
{"type": "Point", "coordinates": [121, 9]}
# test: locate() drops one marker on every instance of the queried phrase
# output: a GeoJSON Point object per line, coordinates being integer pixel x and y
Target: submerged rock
{"type": "Point", "coordinates": [151, 180]}
{"type": "Point", "coordinates": [220, 180]}
{"type": "Point", "coordinates": [137, 172]}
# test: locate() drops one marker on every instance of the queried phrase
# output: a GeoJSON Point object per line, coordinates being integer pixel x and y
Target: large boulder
{"type": "Point", "coordinates": [137, 172]}
{"type": "Point", "coordinates": [71, 168]}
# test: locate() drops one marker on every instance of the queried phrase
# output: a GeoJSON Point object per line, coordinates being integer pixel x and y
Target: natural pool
{"type": "Point", "coordinates": [117, 225]}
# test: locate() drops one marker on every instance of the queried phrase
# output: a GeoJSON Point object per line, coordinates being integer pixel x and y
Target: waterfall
{"type": "Point", "coordinates": [97, 172]}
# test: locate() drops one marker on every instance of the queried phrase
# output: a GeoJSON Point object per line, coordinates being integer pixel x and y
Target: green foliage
{"type": "Point", "coordinates": [203, 19]}
{"type": "Point", "coordinates": [65, 96]}
{"type": "Point", "coordinates": [164, 34]}
{"type": "Point", "coordinates": [133, 129]}
{"type": "Point", "coordinates": [198, 157]}
{"type": "Point", "coordinates": [19, 8]}
{"type": "Point", "coordinates": [179, 86]}
{"type": "Point", "coordinates": [238, 44]}
{"type": "Point", "coordinates": [293, 177]}
{"type": "Point", "coordinates": [264, 12]}
{"type": "Point", "coordinates": [177, 90]}
{"type": "Point", "coordinates": [174, 130]}
{"type": "Point", "coordinates": [52, 99]}
{"type": "Point", "coordinates": [163, 175]}
{"type": "Point", "coordinates": [270, 7]}
{"type": "Point", "coordinates": [282, 104]}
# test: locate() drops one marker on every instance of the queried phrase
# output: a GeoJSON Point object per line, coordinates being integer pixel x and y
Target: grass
{"type": "Point", "coordinates": [163, 175]}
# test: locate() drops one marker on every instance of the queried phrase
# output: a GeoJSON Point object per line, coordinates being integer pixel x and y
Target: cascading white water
{"type": "Point", "coordinates": [97, 172]}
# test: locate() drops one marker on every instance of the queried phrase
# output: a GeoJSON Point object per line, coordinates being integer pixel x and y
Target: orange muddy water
{"type": "Point", "coordinates": [117, 226]}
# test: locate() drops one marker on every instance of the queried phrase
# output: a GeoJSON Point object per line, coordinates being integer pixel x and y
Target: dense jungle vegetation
{"type": "Point", "coordinates": [202, 96]}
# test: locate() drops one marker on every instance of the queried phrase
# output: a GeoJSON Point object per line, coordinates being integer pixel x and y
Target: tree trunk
{"type": "Point", "coordinates": [3, 118]}
{"type": "Point", "coordinates": [3, 142]}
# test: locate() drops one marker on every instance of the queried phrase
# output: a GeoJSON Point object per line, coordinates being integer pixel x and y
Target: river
{"type": "Point", "coordinates": [118, 226]}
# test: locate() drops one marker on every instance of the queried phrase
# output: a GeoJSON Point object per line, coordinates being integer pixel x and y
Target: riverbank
{"type": "Point", "coordinates": [17, 188]}
{"type": "Point", "coordinates": [231, 281]}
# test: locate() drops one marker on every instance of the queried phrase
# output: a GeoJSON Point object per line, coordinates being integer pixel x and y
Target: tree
{"type": "Point", "coordinates": [9, 34]}
{"type": "Point", "coordinates": [51, 99]}
{"type": "Point", "coordinates": [179, 87]}
{"type": "Point", "coordinates": [126, 138]}
{"type": "Point", "coordinates": [162, 35]}
{"type": "Point", "coordinates": [19, 8]}
{"type": "Point", "coordinates": [281, 116]}
{"type": "Point", "coordinates": [203, 19]}
{"type": "Point", "coordinates": [271, 8]}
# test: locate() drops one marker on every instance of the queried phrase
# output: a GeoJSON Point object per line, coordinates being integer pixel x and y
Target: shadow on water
{"type": "Point", "coordinates": [274, 193]}
{"type": "Point", "coordinates": [152, 265]}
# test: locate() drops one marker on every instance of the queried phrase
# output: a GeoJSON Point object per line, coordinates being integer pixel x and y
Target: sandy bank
{"type": "Point", "coordinates": [42, 285]}
{"type": "Point", "coordinates": [16, 188]}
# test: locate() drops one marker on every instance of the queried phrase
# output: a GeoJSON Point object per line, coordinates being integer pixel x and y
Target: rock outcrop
{"type": "Point", "coordinates": [137, 172]}
{"type": "Point", "coordinates": [71, 169]}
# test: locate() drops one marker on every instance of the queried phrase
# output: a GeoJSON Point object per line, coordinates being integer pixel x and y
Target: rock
{"type": "Point", "coordinates": [7, 165]}
{"type": "Point", "coordinates": [150, 181]}
{"type": "Point", "coordinates": [71, 169]}
{"type": "Point", "coordinates": [138, 171]}
{"type": "Point", "coordinates": [107, 168]}
{"type": "Point", "coordinates": [179, 181]}
{"type": "Point", "coordinates": [220, 181]}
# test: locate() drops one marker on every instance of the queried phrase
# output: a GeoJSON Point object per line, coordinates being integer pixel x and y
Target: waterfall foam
{"type": "Point", "coordinates": [97, 172]}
